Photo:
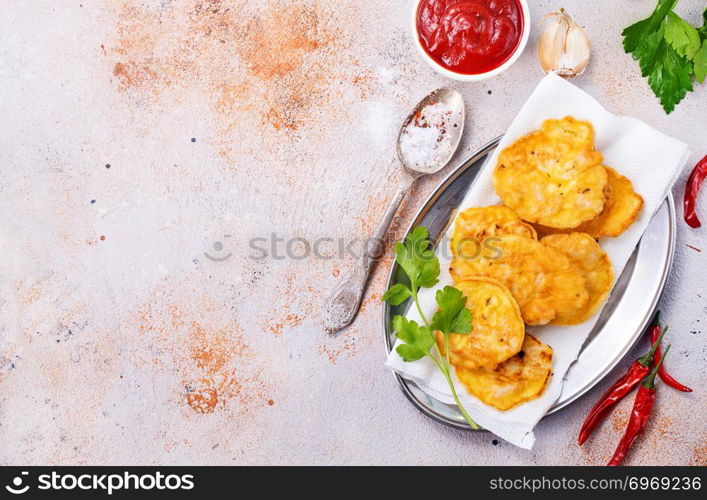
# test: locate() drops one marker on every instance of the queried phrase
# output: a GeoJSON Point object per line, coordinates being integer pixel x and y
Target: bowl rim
{"type": "Point", "coordinates": [525, 35]}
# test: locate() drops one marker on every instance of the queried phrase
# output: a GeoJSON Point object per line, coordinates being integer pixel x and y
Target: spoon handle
{"type": "Point", "coordinates": [342, 305]}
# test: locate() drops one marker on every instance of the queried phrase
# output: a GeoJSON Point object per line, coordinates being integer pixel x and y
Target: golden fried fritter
{"type": "Point", "coordinates": [542, 279]}
{"type": "Point", "coordinates": [553, 176]}
{"type": "Point", "coordinates": [519, 379]}
{"type": "Point", "coordinates": [594, 266]}
{"type": "Point", "coordinates": [568, 129]}
{"type": "Point", "coordinates": [497, 328]}
{"type": "Point", "coordinates": [475, 224]}
{"type": "Point", "coordinates": [621, 208]}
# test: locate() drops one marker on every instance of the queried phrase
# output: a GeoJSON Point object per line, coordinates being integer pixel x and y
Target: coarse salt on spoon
{"type": "Point", "coordinates": [427, 140]}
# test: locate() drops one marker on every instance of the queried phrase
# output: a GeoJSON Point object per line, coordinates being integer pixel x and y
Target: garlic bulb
{"type": "Point", "coordinates": [563, 47]}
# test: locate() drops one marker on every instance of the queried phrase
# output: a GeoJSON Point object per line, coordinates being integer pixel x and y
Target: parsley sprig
{"type": "Point", "coordinates": [421, 266]}
{"type": "Point", "coordinates": [669, 51]}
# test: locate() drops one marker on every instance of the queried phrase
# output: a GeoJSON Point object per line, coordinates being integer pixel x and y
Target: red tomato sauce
{"type": "Point", "coordinates": [470, 36]}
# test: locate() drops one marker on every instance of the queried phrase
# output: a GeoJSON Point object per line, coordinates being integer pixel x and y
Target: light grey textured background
{"type": "Point", "coordinates": [121, 342]}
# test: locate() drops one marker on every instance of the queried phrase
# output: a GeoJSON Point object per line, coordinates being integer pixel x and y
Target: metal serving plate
{"type": "Point", "coordinates": [622, 320]}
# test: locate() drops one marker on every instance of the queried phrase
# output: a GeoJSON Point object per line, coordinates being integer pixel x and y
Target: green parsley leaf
{"type": "Point", "coordinates": [429, 272]}
{"type": "Point", "coordinates": [668, 72]}
{"type": "Point", "coordinates": [452, 316]}
{"type": "Point", "coordinates": [397, 294]}
{"type": "Point", "coordinates": [703, 30]}
{"type": "Point", "coordinates": [681, 36]}
{"type": "Point", "coordinates": [418, 339]}
{"type": "Point", "coordinates": [647, 51]}
{"type": "Point", "coordinates": [634, 34]}
{"type": "Point", "coordinates": [418, 237]}
{"type": "Point", "coordinates": [700, 62]}
{"type": "Point", "coordinates": [670, 77]}
{"type": "Point", "coordinates": [417, 260]}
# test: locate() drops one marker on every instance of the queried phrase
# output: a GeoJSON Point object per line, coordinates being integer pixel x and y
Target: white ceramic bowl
{"type": "Point", "coordinates": [480, 76]}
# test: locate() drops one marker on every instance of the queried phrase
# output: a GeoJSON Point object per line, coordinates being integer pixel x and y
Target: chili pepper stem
{"type": "Point", "coordinates": [647, 358]}
{"type": "Point", "coordinates": [649, 383]}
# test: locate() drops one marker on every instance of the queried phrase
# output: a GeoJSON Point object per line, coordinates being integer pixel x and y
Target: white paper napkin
{"type": "Point", "coordinates": [651, 160]}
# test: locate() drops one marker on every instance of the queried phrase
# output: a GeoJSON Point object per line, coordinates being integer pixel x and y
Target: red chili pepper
{"type": "Point", "coordinates": [636, 372]}
{"type": "Point", "coordinates": [641, 413]}
{"type": "Point", "coordinates": [692, 188]}
{"type": "Point", "coordinates": [662, 372]}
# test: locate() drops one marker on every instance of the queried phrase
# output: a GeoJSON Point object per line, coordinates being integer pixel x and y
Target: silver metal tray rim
{"type": "Point", "coordinates": [436, 193]}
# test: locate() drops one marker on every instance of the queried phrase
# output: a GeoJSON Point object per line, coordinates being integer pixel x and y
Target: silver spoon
{"type": "Point", "coordinates": [421, 152]}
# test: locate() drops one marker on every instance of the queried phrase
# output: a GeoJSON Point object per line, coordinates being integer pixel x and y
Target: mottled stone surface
{"type": "Point", "coordinates": [139, 136]}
